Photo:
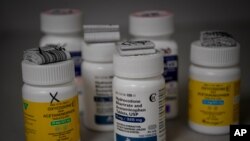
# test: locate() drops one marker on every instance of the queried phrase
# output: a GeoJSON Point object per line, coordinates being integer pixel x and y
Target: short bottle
{"type": "Point", "coordinates": [158, 27]}
{"type": "Point", "coordinates": [214, 88]}
{"type": "Point", "coordinates": [98, 74]}
{"type": "Point", "coordinates": [139, 97]}
{"type": "Point", "coordinates": [50, 101]}
{"type": "Point", "coordinates": [64, 27]}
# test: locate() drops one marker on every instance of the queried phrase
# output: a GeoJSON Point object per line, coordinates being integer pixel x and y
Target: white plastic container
{"type": "Point", "coordinates": [50, 101]}
{"type": "Point", "coordinates": [214, 88]}
{"type": "Point", "coordinates": [139, 98]}
{"type": "Point", "coordinates": [98, 74]}
{"type": "Point", "coordinates": [64, 27]}
{"type": "Point", "coordinates": [158, 26]}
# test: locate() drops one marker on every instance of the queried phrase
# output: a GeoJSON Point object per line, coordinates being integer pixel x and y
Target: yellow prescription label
{"type": "Point", "coordinates": [52, 121]}
{"type": "Point", "coordinates": [214, 104]}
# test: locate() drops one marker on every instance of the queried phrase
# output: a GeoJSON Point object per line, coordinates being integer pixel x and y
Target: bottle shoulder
{"type": "Point", "coordinates": [145, 82]}
{"type": "Point", "coordinates": [43, 93]}
{"type": "Point", "coordinates": [98, 68]}
{"type": "Point", "coordinates": [51, 37]}
{"type": "Point", "coordinates": [214, 74]}
{"type": "Point", "coordinates": [72, 43]}
{"type": "Point", "coordinates": [97, 64]}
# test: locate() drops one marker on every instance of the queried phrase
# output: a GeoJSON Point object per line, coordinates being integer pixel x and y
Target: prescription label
{"type": "Point", "coordinates": [214, 104]}
{"type": "Point", "coordinates": [52, 121]}
{"type": "Point", "coordinates": [139, 116]}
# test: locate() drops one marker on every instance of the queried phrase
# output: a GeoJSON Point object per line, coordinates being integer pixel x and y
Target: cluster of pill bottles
{"type": "Point", "coordinates": [129, 87]}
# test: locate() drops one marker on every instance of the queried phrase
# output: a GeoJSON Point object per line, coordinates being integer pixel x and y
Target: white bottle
{"type": "Point", "coordinates": [158, 26]}
{"type": "Point", "coordinates": [139, 97]}
{"type": "Point", "coordinates": [214, 88]}
{"type": "Point", "coordinates": [98, 74]}
{"type": "Point", "coordinates": [64, 27]}
{"type": "Point", "coordinates": [50, 101]}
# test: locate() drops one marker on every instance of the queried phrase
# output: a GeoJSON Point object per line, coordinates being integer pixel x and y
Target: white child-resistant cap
{"type": "Point", "coordinates": [48, 74]}
{"type": "Point", "coordinates": [138, 66]}
{"type": "Point", "coordinates": [219, 56]}
{"type": "Point", "coordinates": [61, 21]}
{"type": "Point", "coordinates": [98, 52]}
{"type": "Point", "coordinates": [151, 23]}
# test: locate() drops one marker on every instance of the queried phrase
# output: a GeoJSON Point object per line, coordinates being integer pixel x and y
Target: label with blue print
{"type": "Point", "coordinates": [171, 77]}
{"type": "Point", "coordinates": [104, 120]}
{"type": "Point", "coordinates": [139, 116]}
{"type": "Point", "coordinates": [170, 68]}
{"type": "Point", "coordinates": [77, 58]}
{"type": "Point", "coordinates": [123, 138]}
{"type": "Point", "coordinates": [212, 102]}
{"type": "Point", "coordinates": [103, 100]}
{"type": "Point", "coordinates": [130, 119]}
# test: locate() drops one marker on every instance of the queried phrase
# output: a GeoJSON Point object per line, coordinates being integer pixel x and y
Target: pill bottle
{"type": "Point", "coordinates": [98, 74]}
{"type": "Point", "coordinates": [214, 88]}
{"type": "Point", "coordinates": [64, 27]}
{"type": "Point", "coordinates": [139, 97]}
{"type": "Point", "coordinates": [158, 27]}
{"type": "Point", "coordinates": [50, 102]}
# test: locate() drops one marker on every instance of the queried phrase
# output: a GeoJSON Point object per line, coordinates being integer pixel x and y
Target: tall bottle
{"type": "Point", "coordinates": [98, 74]}
{"type": "Point", "coordinates": [214, 84]}
{"type": "Point", "coordinates": [64, 27]}
{"type": "Point", "coordinates": [139, 93]}
{"type": "Point", "coordinates": [158, 26]}
{"type": "Point", "coordinates": [50, 100]}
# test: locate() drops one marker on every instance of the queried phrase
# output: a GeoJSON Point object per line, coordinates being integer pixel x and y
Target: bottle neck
{"type": "Point", "coordinates": [146, 78]}
{"type": "Point", "coordinates": [215, 67]}
{"type": "Point", "coordinates": [52, 85]}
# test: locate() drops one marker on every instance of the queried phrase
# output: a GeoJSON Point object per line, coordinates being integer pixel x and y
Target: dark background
{"type": "Point", "coordinates": [20, 29]}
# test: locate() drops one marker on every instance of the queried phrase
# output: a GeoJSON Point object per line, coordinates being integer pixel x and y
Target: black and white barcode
{"type": "Point", "coordinates": [134, 48]}
{"type": "Point", "coordinates": [100, 28]}
{"type": "Point", "coordinates": [48, 54]}
{"type": "Point", "coordinates": [217, 39]}
{"type": "Point", "coordinates": [101, 33]}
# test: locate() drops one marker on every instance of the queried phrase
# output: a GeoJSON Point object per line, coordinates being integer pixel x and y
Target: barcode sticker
{"type": "Point", "coordinates": [129, 48]}
{"type": "Point", "coordinates": [217, 39]}
{"type": "Point", "coordinates": [48, 54]}
{"type": "Point", "coordinates": [101, 33]}
{"type": "Point", "coordinates": [100, 28]}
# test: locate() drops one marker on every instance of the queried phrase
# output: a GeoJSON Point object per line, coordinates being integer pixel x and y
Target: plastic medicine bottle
{"type": "Point", "coordinates": [98, 74]}
{"type": "Point", "coordinates": [64, 26]}
{"type": "Point", "coordinates": [50, 102]}
{"type": "Point", "coordinates": [139, 97]}
{"type": "Point", "coordinates": [158, 26]}
{"type": "Point", "coordinates": [214, 88]}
